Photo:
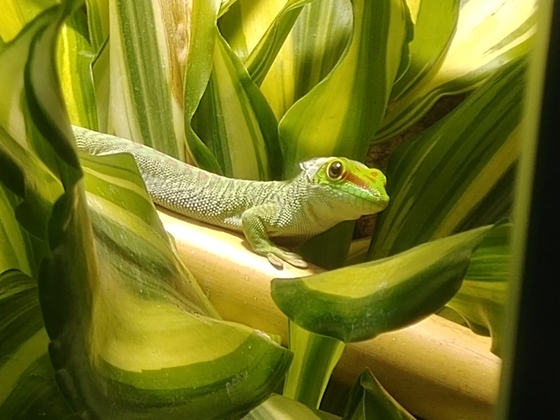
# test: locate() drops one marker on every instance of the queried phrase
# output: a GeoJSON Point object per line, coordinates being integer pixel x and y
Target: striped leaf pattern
{"type": "Point", "coordinates": [230, 97]}
{"type": "Point", "coordinates": [362, 301]}
{"type": "Point", "coordinates": [280, 407]}
{"type": "Point", "coordinates": [28, 388]}
{"type": "Point", "coordinates": [369, 400]}
{"type": "Point", "coordinates": [489, 34]}
{"type": "Point", "coordinates": [458, 174]}
{"type": "Point", "coordinates": [146, 73]}
{"type": "Point", "coordinates": [131, 333]}
{"type": "Point", "coordinates": [482, 297]}
{"type": "Point", "coordinates": [335, 109]}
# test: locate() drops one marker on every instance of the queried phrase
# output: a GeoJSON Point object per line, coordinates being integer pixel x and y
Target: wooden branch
{"type": "Point", "coordinates": [436, 369]}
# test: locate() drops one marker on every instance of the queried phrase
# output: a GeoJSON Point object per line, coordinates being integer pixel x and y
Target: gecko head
{"type": "Point", "coordinates": [347, 184]}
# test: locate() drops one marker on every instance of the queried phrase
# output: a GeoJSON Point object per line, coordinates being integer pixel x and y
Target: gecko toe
{"type": "Point", "coordinates": [275, 261]}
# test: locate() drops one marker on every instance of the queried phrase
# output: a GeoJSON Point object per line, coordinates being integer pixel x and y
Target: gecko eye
{"type": "Point", "coordinates": [335, 169]}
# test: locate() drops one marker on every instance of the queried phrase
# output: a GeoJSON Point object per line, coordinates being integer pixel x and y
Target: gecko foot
{"type": "Point", "coordinates": [277, 257]}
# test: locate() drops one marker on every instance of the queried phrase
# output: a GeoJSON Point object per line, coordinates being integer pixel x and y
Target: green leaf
{"type": "Point", "coordinates": [198, 69]}
{"type": "Point", "coordinates": [98, 23]}
{"type": "Point", "coordinates": [459, 173]}
{"type": "Point", "coordinates": [130, 237]}
{"type": "Point", "coordinates": [315, 357]}
{"type": "Point", "coordinates": [482, 297]}
{"type": "Point", "coordinates": [489, 35]}
{"type": "Point", "coordinates": [74, 58]}
{"type": "Point", "coordinates": [369, 400]}
{"type": "Point", "coordinates": [16, 14]}
{"type": "Point", "coordinates": [350, 102]}
{"type": "Point", "coordinates": [434, 25]}
{"type": "Point", "coordinates": [28, 388]}
{"type": "Point", "coordinates": [360, 302]}
{"type": "Point", "coordinates": [125, 319]}
{"type": "Point", "coordinates": [312, 49]}
{"type": "Point", "coordinates": [278, 407]}
{"type": "Point", "coordinates": [235, 121]}
{"type": "Point", "coordinates": [146, 307]}
{"type": "Point", "coordinates": [147, 70]}
{"type": "Point", "coordinates": [237, 22]}
{"type": "Point", "coordinates": [13, 240]}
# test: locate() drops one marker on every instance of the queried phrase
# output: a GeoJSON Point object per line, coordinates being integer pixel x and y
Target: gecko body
{"type": "Point", "coordinates": [326, 192]}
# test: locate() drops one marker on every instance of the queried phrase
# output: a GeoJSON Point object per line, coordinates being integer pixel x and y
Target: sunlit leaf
{"type": "Point", "coordinates": [198, 69]}
{"type": "Point", "coordinates": [315, 45]}
{"type": "Point", "coordinates": [459, 173]}
{"type": "Point", "coordinates": [98, 23]}
{"type": "Point", "coordinates": [362, 301]}
{"type": "Point", "coordinates": [125, 320]}
{"type": "Point", "coordinates": [489, 35]}
{"type": "Point", "coordinates": [235, 121]}
{"type": "Point", "coordinates": [147, 70]}
{"type": "Point", "coordinates": [261, 56]}
{"type": "Point", "coordinates": [315, 357]}
{"type": "Point", "coordinates": [435, 22]}
{"type": "Point", "coordinates": [15, 14]}
{"type": "Point", "coordinates": [74, 59]}
{"type": "Point", "coordinates": [350, 102]}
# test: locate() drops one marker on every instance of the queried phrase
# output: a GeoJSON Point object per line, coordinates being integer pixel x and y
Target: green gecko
{"type": "Point", "coordinates": [328, 190]}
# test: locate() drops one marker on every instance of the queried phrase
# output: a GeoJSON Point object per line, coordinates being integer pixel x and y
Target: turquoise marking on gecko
{"type": "Point", "coordinates": [327, 191]}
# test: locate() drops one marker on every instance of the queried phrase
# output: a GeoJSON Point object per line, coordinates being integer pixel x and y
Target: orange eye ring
{"type": "Point", "coordinates": [335, 169]}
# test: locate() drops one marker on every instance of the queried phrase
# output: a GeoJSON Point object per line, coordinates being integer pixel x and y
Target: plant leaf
{"type": "Point", "coordinates": [235, 121]}
{"type": "Point", "coordinates": [315, 357]}
{"type": "Point", "coordinates": [74, 58]}
{"type": "Point", "coordinates": [147, 73]}
{"type": "Point", "coordinates": [240, 25]}
{"type": "Point", "coordinates": [125, 320]}
{"type": "Point", "coordinates": [360, 302]}
{"type": "Point", "coordinates": [482, 297]}
{"type": "Point", "coordinates": [434, 25]}
{"type": "Point", "coordinates": [335, 110]}
{"type": "Point", "coordinates": [16, 14]}
{"type": "Point", "coordinates": [489, 35]}
{"type": "Point", "coordinates": [28, 388]}
{"type": "Point", "coordinates": [368, 401]}
{"type": "Point", "coordinates": [278, 407]}
{"type": "Point", "coordinates": [457, 174]}
{"type": "Point", "coordinates": [312, 49]}
{"type": "Point", "coordinates": [198, 69]}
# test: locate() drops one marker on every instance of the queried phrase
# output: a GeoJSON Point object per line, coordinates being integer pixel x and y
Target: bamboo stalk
{"type": "Point", "coordinates": [436, 369]}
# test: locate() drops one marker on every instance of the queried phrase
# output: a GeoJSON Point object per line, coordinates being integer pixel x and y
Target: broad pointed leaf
{"type": "Point", "coordinates": [360, 302]}
{"type": "Point", "coordinates": [489, 35]}
{"type": "Point", "coordinates": [235, 121]}
{"type": "Point", "coordinates": [148, 47]}
{"type": "Point", "coordinates": [459, 173]}
{"type": "Point", "coordinates": [350, 102]}
{"type": "Point", "coordinates": [125, 319]}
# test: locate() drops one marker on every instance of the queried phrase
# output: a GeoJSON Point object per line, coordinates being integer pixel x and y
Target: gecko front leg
{"type": "Point", "coordinates": [254, 227]}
